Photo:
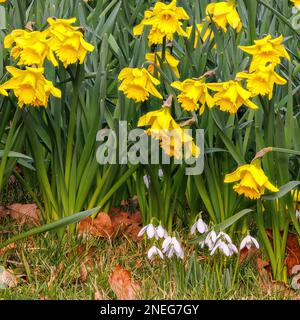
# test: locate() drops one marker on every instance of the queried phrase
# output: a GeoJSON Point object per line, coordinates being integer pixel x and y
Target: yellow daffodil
{"type": "Point", "coordinates": [296, 195]}
{"type": "Point", "coordinates": [30, 47]}
{"type": "Point", "coordinates": [204, 33]}
{"type": "Point", "coordinates": [2, 1]}
{"type": "Point", "coordinates": [164, 20]}
{"type": "Point", "coordinates": [224, 13]}
{"type": "Point", "coordinates": [170, 60]}
{"type": "Point", "coordinates": [168, 131]}
{"type": "Point", "coordinates": [67, 41]}
{"type": "Point", "coordinates": [296, 199]}
{"type": "Point", "coordinates": [138, 84]}
{"type": "Point", "coordinates": [30, 86]}
{"type": "Point", "coordinates": [194, 94]}
{"type": "Point", "coordinates": [261, 82]}
{"type": "Point", "coordinates": [231, 96]}
{"type": "Point", "coordinates": [252, 181]}
{"type": "Point", "coordinates": [266, 50]}
{"type": "Point", "coordinates": [3, 92]}
{"type": "Point", "coordinates": [296, 3]}
{"type": "Point", "coordinates": [10, 39]}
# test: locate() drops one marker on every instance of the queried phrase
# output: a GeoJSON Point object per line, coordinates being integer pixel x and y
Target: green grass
{"type": "Point", "coordinates": [36, 260]}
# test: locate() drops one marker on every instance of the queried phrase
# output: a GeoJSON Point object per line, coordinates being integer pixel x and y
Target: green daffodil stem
{"type": "Point", "coordinates": [8, 145]}
{"type": "Point", "coordinates": [72, 124]}
{"type": "Point", "coordinates": [252, 14]}
{"type": "Point", "coordinates": [264, 236]}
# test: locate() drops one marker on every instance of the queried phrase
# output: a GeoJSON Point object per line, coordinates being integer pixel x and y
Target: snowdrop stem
{"type": "Point", "coordinates": [236, 268]}
{"type": "Point", "coordinates": [218, 267]}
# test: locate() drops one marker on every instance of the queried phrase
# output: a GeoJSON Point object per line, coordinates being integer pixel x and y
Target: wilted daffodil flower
{"type": "Point", "coordinates": [251, 180]}
{"type": "Point", "coordinates": [30, 47]}
{"type": "Point", "coordinates": [194, 94]}
{"type": "Point", "coordinates": [67, 41]}
{"type": "Point", "coordinates": [30, 86]}
{"type": "Point", "coordinates": [266, 50]}
{"type": "Point", "coordinates": [261, 82]}
{"type": "Point", "coordinates": [138, 84]}
{"type": "Point", "coordinates": [203, 31]}
{"type": "Point", "coordinates": [224, 13]}
{"type": "Point", "coordinates": [164, 20]}
{"type": "Point", "coordinates": [168, 131]}
{"type": "Point", "coordinates": [231, 96]}
{"type": "Point", "coordinates": [170, 60]}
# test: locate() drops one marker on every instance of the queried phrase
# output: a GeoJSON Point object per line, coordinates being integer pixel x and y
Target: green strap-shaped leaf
{"type": "Point", "coordinates": [285, 189]}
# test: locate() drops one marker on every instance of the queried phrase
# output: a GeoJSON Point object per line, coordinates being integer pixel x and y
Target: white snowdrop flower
{"type": "Point", "coordinates": [298, 215]}
{"type": "Point", "coordinates": [161, 232]}
{"type": "Point", "coordinates": [202, 244]}
{"type": "Point", "coordinates": [146, 179]}
{"type": "Point", "coordinates": [210, 239]}
{"type": "Point", "coordinates": [171, 246]}
{"type": "Point", "coordinates": [225, 236]}
{"type": "Point", "coordinates": [150, 231]}
{"type": "Point", "coordinates": [154, 251]}
{"type": "Point", "coordinates": [233, 248]}
{"type": "Point", "coordinates": [199, 225]}
{"type": "Point", "coordinates": [224, 244]}
{"type": "Point", "coordinates": [249, 242]}
{"type": "Point", "coordinates": [160, 173]}
{"type": "Point", "coordinates": [227, 248]}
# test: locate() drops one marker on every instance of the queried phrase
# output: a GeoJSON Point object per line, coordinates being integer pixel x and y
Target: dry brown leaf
{"type": "Point", "coordinates": [270, 286]}
{"type": "Point", "coordinates": [263, 268]}
{"type": "Point", "coordinates": [127, 224]}
{"type": "Point", "coordinates": [101, 226]}
{"type": "Point", "coordinates": [247, 254]}
{"type": "Point", "coordinates": [293, 253]}
{"type": "Point", "coordinates": [292, 250]}
{"type": "Point", "coordinates": [111, 225]}
{"type": "Point", "coordinates": [7, 279]}
{"type": "Point", "coordinates": [122, 285]}
{"type": "Point", "coordinates": [3, 212]}
{"type": "Point", "coordinates": [25, 213]}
